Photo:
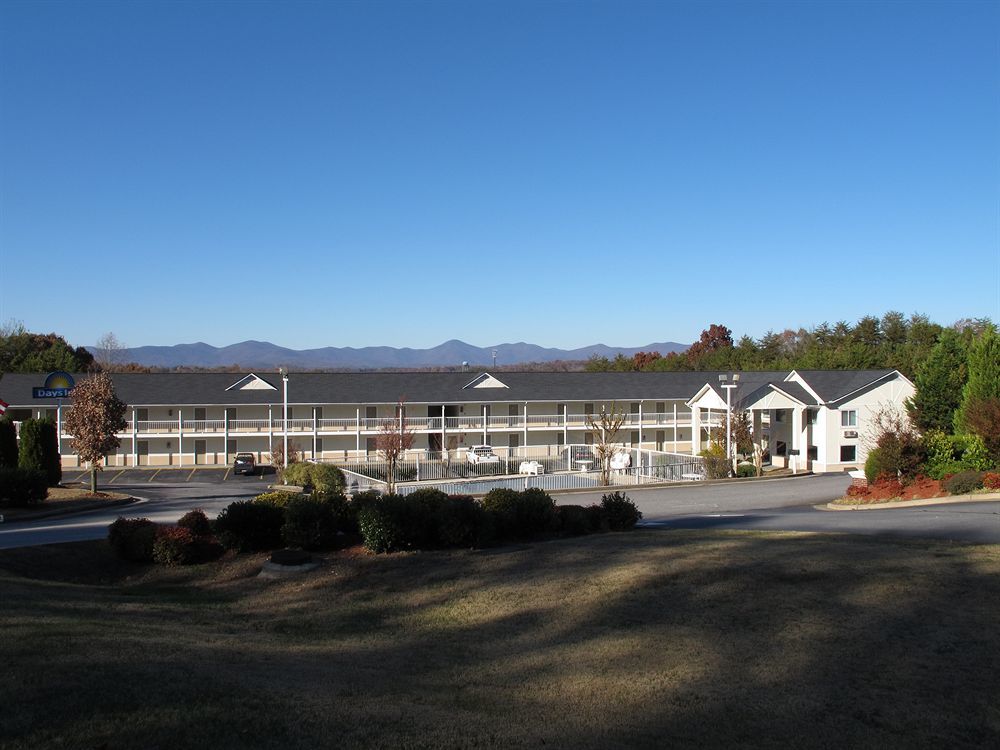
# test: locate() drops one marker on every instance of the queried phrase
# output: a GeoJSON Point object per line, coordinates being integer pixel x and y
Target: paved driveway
{"type": "Point", "coordinates": [779, 504]}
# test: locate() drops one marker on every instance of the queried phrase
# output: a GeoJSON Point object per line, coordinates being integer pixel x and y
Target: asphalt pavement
{"type": "Point", "coordinates": [782, 504]}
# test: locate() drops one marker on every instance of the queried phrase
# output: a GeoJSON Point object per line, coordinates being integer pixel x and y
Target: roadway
{"type": "Point", "coordinates": [786, 504]}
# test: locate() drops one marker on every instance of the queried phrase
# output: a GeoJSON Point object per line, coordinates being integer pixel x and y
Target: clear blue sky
{"type": "Point", "coordinates": [563, 173]}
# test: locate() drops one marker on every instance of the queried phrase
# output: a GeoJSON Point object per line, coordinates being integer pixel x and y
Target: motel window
{"type": "Point", "coordinates": [812, 453]}
{"type": "Point", "coordinates": [635, 438]}
{"type": "Point", "coordinates": [588, 408]}
{"type": "Point", "coordinates": [512, 410]}
{"type": "Point", "coordinates": [371, 412]}
{"type": "Point", "coordinates": [849, 418]}
{"type": "Point", "coordinates": [811, 416]}
{"type": "Point", "coordinates": [371, 445]}
{"type": "Point", "coordinates": [634, 407]}
{"type": "Point", "coordinates": [589, 438]}
{"type": "Point", "coordinates": [779, 448]}
{"type": "Point", "coordinates": [848, 453]}
{"type": "Point", "coordinates": [779, 415]}
{"type": "Point", "coordinates": [319, 447]}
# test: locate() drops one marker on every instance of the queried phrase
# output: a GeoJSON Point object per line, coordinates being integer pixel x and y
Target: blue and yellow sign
{"type": "Point", "coordinates": [57, 385]}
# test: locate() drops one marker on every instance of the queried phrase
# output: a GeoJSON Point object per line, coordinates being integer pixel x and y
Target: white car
{"type": "Point", "coordinates": [481, 454]}
{"type": "Point", "coordinates": [530, 467]}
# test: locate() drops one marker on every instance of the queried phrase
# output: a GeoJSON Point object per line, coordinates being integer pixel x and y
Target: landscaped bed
{"type": "Point", "coordinates": [890, 489]}
{"type": "Point", "coordinates": [64, 499]}
{"type": "Point", "coordinates": [644, 639]}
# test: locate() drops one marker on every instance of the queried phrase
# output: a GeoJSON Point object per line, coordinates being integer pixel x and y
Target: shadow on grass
{"type": "Point", "coordinates": [645, 639]}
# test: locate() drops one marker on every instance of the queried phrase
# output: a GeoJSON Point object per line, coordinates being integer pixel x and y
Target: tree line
{"type": "Point", "coordinates": [891, 342]}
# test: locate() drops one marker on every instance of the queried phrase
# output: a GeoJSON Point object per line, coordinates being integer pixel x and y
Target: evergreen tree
{"type": "Point", "coordinates": [939, 380]}
{"type": "Point", "coordinates": [981, 395]}
{"type": "Point", "coordinates": [39, 449]}
{"type": "Point", "coordinates": [8, 444]}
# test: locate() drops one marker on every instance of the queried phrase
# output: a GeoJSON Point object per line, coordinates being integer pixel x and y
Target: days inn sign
{"type": "Point", "coordinates": [57, 385]}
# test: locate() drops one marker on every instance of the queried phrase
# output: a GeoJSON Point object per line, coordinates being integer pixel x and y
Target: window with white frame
{"type": "Point", "coordinates": [849, 418]}
{"type": "Point", "coordinates": [848, 453]}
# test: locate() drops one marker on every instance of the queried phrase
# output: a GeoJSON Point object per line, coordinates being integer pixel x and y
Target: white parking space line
{"type": "Point", "coordinates": [154, 475]}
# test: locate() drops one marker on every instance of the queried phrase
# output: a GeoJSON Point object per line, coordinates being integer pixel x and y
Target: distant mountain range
{"type": "Point", "coordinates": [264, 355]}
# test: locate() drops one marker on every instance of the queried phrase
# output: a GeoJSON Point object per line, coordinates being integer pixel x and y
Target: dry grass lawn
{"type": "Point", "coordinates": [646, 639]}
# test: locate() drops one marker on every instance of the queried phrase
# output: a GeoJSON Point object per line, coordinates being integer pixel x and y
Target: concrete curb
{"type": "Point", "coordinates": [952, 500]}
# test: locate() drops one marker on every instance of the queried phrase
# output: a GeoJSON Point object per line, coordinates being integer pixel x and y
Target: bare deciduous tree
{"type": "Point", "coordinates": [394, 438]}
{"type": "Point", "coordinates": [110, 352]}
{"type": "Point", "coordinates": [277, 456]}
{"type": "Point", "coordinates": [94, 421]}
{"type": "Point", "coordinates": [605, 426]}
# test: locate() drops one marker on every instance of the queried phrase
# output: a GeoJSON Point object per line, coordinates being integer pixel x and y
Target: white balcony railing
{"type": "Point", "coordinates": [471, 422]}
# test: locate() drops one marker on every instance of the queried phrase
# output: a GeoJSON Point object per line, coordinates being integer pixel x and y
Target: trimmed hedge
{"type": "Point", "coordinates": [310, 523]}
{"type": "Point", "coordinates": [21, 487]}
{"type": "Point", "coordinates": [575, 519]}
{"type": "Point", "coordinates": [521, 515]}
{"type": "Point", "coordinates": [175, 545]}
{"type": "Point", "coordinates": [133, 538]}
{"type": "Point", "coordinates": [277, 499]}
{"type": "Point", "coordinates": [324, 479]}
{"type": "Point", "coordinates": [247, 526]}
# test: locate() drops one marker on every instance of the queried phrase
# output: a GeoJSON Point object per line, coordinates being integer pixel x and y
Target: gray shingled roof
{"type": "Point", "coordinates": [430, 387]}
{"type": "Point", "coordinates": [832, 385]}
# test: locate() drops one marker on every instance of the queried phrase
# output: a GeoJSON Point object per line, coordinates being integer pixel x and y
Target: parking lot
{"type": "Point", "coordinates": [112, 477]}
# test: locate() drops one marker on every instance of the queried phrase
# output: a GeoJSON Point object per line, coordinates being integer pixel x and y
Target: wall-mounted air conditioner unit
{"type": "Point", "coordinates": [850, 433]}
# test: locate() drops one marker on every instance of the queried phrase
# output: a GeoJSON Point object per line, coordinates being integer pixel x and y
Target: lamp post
{"type": "Point", "coordinates": [729, 415]}
{"type": "Point", "coordinates": [284, 417]}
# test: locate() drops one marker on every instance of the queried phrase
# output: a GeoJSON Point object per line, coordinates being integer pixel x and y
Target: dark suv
{"type": "Point", "coordinates": [244, 464]}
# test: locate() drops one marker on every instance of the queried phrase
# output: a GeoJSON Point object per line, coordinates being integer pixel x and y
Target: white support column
{"type": "Point", "coordinates": [565, 427]}
{"type": "Point", "coordinates": [59, 430]}
{"type": "Point", "coordinates": [270, 430]}
{"type": "Point", "coordinates": [357, 430]}
{"type": "Point", "coordinates": [180, 438]}
{"type": "Point", "coordinates": [485, 419]}
{"type": "Point", "coordinates": [315, 432]}
{"type": "Point", "coordinates": [797, 460]}
{"type": "Point", "coordinates": [225, 436]}
{"type": "Point", "coordinates": [695, 430]}
{"type": "Point", "coordinates": [135, 443]}
{"type": "Point", "coordinates": [675, 428]}
{"type": "Point", "coordinates": [757, 429]}
{"type": "Point", "coordinates": [640, 425]}
{"type": "Point", "coordinates": [524, 427]}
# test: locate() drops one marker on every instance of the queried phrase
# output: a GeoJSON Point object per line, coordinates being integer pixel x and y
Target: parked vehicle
{"type": "Point", "coordinates": [481, 454]}
{"type": "Point", "coordinates": [244, 464]}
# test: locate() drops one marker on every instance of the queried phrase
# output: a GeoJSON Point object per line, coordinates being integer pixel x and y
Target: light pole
{"type": "Point", "coordinates": [284, 417]}
{"type": "Point", "coordinates": [729, 415]}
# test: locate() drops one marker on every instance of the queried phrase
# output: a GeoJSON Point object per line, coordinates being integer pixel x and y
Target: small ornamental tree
{"type": "Point", "coordinates": [981, 395]}
{"type": "Point", "coordinates": [605, 427]}
{"type": "Point", "coordinates": [39, 449]}
{"type": "Point", "coordinates": [394, 438]}
{"type": "Point", "coordinates": [94, 421]}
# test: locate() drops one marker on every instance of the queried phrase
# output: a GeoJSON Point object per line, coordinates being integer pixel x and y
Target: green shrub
{"type": "Point", "coordinates": [574, 519]}
{"type": "Point", "coordinates": [175, 545]}
{"type": "Point", "coordinates": [746, 470]}
{"type": "Point", "coordinates": [973, 452]}
{"type": "Point", "coordinates": [621, 512]}
{"type": "Point", "coordinates": [382, 523]}
{"type": "Point", "coordinates": [277, 499]}
{"type": "Point", "coordinates": [873, 466]}
{"type": "Point", "coordinates": [8, 444]}
{"type": "Point", "coordinates": [21, 487]}
{"type": "Point", "coordinates": [247, 526]}
{"type": "Point", "coordinates": [716, 463]}
{"type": "Point", "coordinates": [952, 454]}
{"type": "Point", "coordinates": [39, 449]}
{"type": "Point", "coordinates": [310, 523]}
{"type": "Point", "coordinates": [460, 521]}
{"type": "Point", "coordinates": [324, 479]}
{"type": "Point", "coordinates": [133, 538]}
{"type": "Point", "coordinates": [197, 522]}
{"type": "Point", "coordinates": [965, 482]}
{"type": "Point", "coordinates": [599, 520]}
{"type": "Point", "coordinates": [521, 515]}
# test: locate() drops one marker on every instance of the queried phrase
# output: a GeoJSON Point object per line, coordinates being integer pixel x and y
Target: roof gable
{"type": "Point", "coordinates": [485, 380]}
{"type": "Point", "coordinates": [251, 382]}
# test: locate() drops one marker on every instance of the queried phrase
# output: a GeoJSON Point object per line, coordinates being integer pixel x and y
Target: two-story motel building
{"type": "Point", "coordinates": [815, 420]}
